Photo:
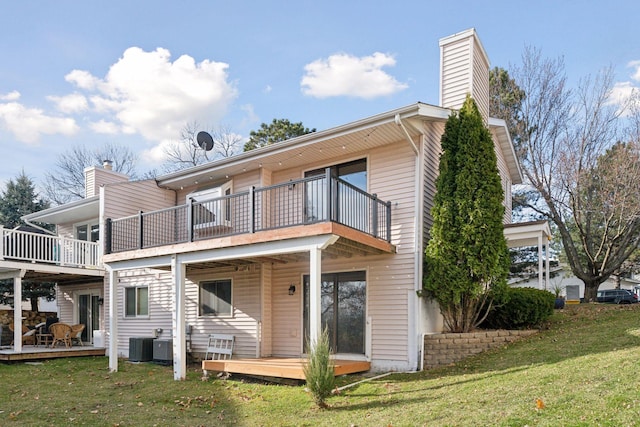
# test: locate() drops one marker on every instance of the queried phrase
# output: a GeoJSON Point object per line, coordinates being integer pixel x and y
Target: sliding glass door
{"type": "Point", "coordinates": [343, 310]}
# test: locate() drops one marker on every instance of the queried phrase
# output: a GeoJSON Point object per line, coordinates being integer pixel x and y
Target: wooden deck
{"type": "Point", "coordinates": [279, 367]}
{"type": "Point", "coordinates": [31, 352]}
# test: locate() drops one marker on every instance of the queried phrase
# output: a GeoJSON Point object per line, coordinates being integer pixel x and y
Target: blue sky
{"type": "Point", "coordinates": [135, 72]}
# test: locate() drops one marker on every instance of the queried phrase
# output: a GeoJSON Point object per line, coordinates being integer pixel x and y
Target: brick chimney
{"type": "Point", "coordinates": [464, 69]}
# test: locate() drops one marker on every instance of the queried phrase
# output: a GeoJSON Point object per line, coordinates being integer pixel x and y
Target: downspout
{"type": "Point", "coordinates": [406, 134]}
{"type": "Point", "coordinates": [416, 313]}
{"type": "Point", "coordinates": [29, 223]}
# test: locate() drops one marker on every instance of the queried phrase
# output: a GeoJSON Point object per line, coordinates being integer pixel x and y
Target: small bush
{"type": "Point", "coordinates": [525, 308]}
{"type": "Point", "coordinates": [319, 370]}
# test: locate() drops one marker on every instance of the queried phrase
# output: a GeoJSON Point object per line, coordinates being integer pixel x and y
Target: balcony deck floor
{"type": "Point", "coordinates": [290, 368]}
{"type": "Point", "coordinates": [32, 352]}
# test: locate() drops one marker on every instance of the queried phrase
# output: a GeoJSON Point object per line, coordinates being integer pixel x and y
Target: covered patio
{"type": "Point", "coordinates": [533, 233]}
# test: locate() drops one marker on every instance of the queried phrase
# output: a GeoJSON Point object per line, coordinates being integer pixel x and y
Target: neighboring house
{"type": "Point", "coordinates": [572, 288]}
{"type": "Point", "coordinates": [328, 228]}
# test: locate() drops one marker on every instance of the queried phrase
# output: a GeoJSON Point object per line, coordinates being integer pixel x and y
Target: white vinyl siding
{"type": "Point", "coordinates": [67, 305]}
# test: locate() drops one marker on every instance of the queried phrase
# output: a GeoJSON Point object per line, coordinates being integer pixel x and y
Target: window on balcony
{"type": "Point", "coordinates": [350, 209]}
{"type": "Point", "coordinates": [89, 232]}
{"type": "Point", "coordinates": [215, 298]}
{"type": "Point", "coordinates": [209, 212]}
{"type": "Point", "coordinates": [136, 301]}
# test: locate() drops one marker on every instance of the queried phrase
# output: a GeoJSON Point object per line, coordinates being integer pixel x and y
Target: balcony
{"type": "Point", "coordinates": [307, 201]}
{"type": "Point", "coordinates": [27, 246]}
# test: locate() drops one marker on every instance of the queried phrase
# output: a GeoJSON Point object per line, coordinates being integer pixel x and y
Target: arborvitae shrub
{"type": "Point", "coordinates": [526, 308]}
{"type": "Point", "coordinates": [319, 370]}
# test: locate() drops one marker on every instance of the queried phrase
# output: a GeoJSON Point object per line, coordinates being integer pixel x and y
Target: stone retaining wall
{"type": "Point", "coordinates": [448, 348]}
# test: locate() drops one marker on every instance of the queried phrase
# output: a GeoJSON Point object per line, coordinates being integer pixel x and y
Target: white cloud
{"type": "Point", "coordinates": [146, 93]}
{"type": "Point", "coordinates": [82, 79]}
{"type": "Point", "coordinates": [103, 126]}
{"type": "Point", "coordinates": [636, 74]}
{"type": "Point", "coordinates": [624, 91]}
{"type": "Point", "coordinates": [29, 124]}
{"type": "Point", "coordinates": [11, 96]}
{"type": "Point", "coordinates": [69, 104]}
{"type": "Point", "coordinates": [347, 75]}
{"type": "Point", "coordinates": [157, 154]}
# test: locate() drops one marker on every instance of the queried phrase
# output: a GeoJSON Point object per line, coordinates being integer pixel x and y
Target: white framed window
{"type": "Point", "coordinates": [87, 231]}
{"type": "Point", "coordinates": [215, 207]}
{"type": "Point", "coordinates": [215, 298]}
{"type": "Point", "coordinates": [136, 301]}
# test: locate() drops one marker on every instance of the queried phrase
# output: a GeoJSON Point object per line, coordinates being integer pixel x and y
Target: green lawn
{"type": "Point", "coordinates": [585, 368]}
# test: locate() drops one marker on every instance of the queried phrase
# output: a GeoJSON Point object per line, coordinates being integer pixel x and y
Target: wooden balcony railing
{"type": "Point", "coordinates": [305, 201]}
{"type": "Point", "coordinates": [17, 245]}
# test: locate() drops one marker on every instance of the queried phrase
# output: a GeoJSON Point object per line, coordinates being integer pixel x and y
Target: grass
{"type": "Point", "coordinates": [583, 366]}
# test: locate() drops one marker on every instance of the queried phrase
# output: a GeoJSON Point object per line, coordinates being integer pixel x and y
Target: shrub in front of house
{"type": "Point", "coordinates": [526, 308]}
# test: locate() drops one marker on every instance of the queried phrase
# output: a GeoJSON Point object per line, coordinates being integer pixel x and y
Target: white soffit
{"type": "Point", "coordinates": [68, 213]}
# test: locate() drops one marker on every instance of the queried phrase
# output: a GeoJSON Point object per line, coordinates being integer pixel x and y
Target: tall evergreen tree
{"type": "Point", "coordinates": [278, 130]}
{"type": "Point", "coordinates": [467, 260]}
{"type": "Point", "coordinates": [19, 198]}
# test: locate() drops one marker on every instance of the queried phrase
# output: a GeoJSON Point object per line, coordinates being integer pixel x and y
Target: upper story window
{"type": "Point", "coordinates": [89, 232]}
{"type": "Point", "coordinates": [136, 301]}
{"type": "Point", "coordinates": [355, 173]}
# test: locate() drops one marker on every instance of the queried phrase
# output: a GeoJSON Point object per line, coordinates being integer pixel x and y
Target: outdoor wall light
{"type": "Point", "coordinates": [100, 301]}
{"type": "Point", "coordinates": [292, 289]}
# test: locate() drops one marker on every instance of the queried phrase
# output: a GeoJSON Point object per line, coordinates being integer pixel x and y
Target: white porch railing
{"type": "Point", "coordinates": [16, 245]}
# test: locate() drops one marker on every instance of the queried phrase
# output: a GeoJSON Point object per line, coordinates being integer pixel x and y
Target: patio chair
{"type": "Point", "coordinates": [61, 333]}
{"type": "Point", "coordinates": [219, 347]}
{"type": "Point", "coordinates": [76, 333]}
{"type": "Point", "coordinates": [28, 335]}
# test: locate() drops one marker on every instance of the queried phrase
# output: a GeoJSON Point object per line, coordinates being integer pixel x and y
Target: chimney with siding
{"type": "Point", "coordinates": [464, 69]}
{"type": "Point", "coordinates": [96, 176]}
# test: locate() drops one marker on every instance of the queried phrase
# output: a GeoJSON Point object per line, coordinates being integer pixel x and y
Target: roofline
{"type": "Point", "coordinates": [413, 110]}
{"type": "Point", "coordinates": [418, 110]}
{"type": "Point", "coordinates": [500, 123]}
{"type": "Point", "coordinates": [34, 216]}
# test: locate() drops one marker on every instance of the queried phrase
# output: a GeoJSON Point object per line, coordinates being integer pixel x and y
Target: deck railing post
{"type": "Point", "coordinates": [252, 210]}
{"type": "Point", "coordinates": [374, 213]}
{"type": "Point", "coordinates": [388, 205]}
{"type": "Point", "coordinates": [190, 218]}
{"type": "Point", "coordinates": [329, 195]}
{"type": "Point", "coordinates": [1, 243]}
{"type": "Point", "coordinates": [140, 230]}
{"type": "Point", "coordinates": [107, 236]}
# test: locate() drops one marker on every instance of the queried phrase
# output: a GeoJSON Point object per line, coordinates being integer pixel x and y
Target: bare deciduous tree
{"type": "Point", "coordinates": [187, 152]}
{"type": "Point", "coordinates": [65, 182]}
{"type": "Point", "coordinates": [581, 154]}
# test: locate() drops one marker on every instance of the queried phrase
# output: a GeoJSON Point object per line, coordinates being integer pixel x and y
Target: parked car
{"type": "Point", "coordinates": [617, 296]}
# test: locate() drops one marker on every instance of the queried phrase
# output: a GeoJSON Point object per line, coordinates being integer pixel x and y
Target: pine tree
{"type": "Point", "coordinates": [467, 260]}
{"type": "Point", "coordinates": [18, 199]}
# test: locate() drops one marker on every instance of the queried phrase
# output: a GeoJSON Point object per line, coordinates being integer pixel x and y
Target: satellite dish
{"type": "Point", "coordinates": [205, 141]}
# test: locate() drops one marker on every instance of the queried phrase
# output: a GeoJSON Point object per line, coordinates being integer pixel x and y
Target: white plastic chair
{"type": "Point", "coordinates": [219, 347]}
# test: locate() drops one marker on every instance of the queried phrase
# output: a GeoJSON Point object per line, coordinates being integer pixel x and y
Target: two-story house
{"type": "Point", "coordinates": [326, 230]}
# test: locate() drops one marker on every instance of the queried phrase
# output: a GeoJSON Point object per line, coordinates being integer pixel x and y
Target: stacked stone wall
{"type": "Point", "coordinates": [445, 349]}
